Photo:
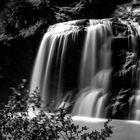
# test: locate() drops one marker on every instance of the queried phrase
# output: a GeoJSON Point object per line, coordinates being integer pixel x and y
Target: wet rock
{"type": "Point", "coordinates": [120, 104]}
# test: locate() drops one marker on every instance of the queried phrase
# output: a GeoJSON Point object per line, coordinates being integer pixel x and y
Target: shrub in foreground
{"type": "Point", "coordinates": [16, 122]}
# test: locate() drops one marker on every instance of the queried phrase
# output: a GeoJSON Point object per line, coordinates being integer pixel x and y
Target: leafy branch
{"type": "Point", "coordinates": [16, 122]}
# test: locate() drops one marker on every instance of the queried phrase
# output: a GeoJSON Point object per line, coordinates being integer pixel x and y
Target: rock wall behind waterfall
{"type": "Point", "coordinates": [125, 77]}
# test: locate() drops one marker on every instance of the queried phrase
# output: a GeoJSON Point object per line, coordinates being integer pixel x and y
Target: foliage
{"type": "Point", "coordinates": [124, 11]}
{"type": "Point", "coordinates": [16, 122]}
{"type": "Point", "coordinates": [13, 14]}
{"type": "Point", "coordinates": [129, 12]}
{"type": "Point", "coordinates": [20, 14]}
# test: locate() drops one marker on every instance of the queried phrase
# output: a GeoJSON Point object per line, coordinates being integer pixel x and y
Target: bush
{"type": "Point", "coordinates": [16, 122]}
{"type": "Point", "coordinates": [15, 16]}
{"type": "Point", "coordinates": [20, 14]}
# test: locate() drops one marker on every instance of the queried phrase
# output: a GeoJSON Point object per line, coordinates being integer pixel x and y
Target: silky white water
{"type": "Point", "coordinates": [63, 65]}
{"type": "Point", "coordinates": [135, 99]}
{"type": "Point", "coordinates": [51, 53]}
{"type": "Point", "coordinates": [95, 71]}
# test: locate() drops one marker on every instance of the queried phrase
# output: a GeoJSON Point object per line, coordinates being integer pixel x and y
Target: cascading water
{"type": "Point", "coordinates": [75, 66]}
{"type": "Point", "coordinates": [56, 71]}
{"type": "Point", "coordinates": [50, 67]}
{"type": "Point", "coordinates": [134, 53]}
{"type": "Point", "coordinates": [136, 97]}
{"type": "Point", "coordinates": [95, 71]}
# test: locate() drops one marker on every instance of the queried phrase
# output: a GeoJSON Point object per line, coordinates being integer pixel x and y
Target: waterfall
{"type": "Point", "coordinates": [71, 57]}
{"type": "Point", "coordinates": [95, 71]}
{"type": "Point", "coordinates": [50, 67]}
{"type": "Point", "coordinates": [135, 99]}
